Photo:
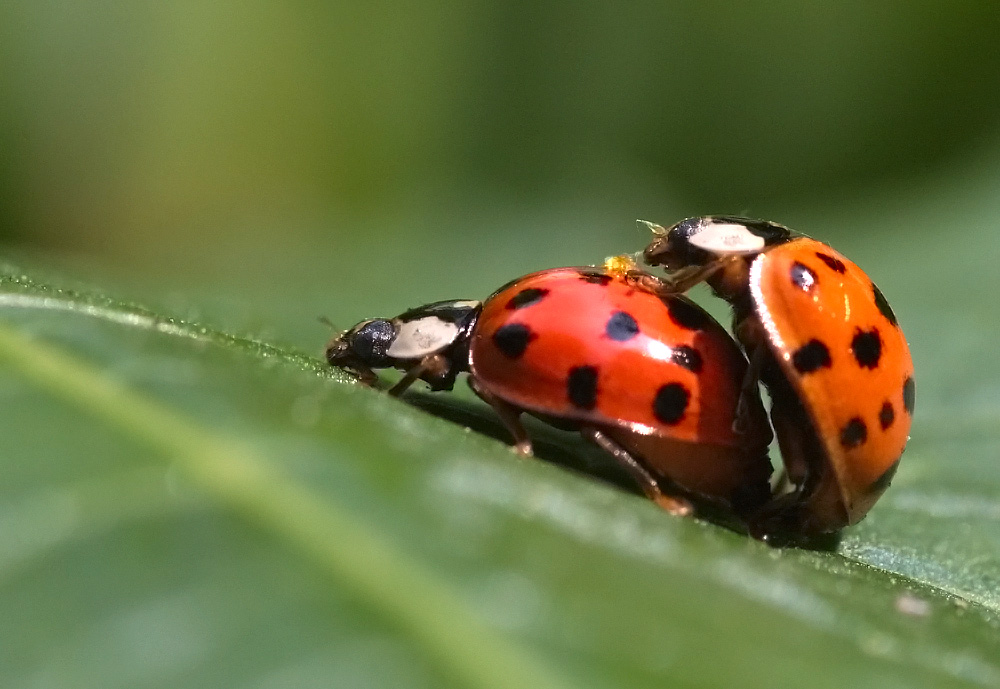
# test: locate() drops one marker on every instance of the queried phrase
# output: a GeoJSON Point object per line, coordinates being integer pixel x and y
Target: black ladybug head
{"type": "Point", "coordinates": [366, 345]}
{"type": "Point", "coordinates": [672, 249]}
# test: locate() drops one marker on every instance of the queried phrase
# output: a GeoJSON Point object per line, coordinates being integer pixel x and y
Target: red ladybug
{"type": "Point", "coordinates": [825, 343]}
{"type": "Point", "coordinates": [653, 380]}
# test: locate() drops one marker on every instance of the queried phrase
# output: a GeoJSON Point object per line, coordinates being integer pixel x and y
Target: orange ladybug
{"type": "Point", "coordinates": [822, 338]}
{"type": "Point", "coordinates": [653, 380]}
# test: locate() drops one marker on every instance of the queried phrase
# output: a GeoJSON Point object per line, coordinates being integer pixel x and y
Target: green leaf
{"type": "Point", "coordinates": [188, 507]}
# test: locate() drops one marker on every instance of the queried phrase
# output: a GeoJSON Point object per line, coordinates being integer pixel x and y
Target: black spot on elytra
{"type": "Point", "coordinates": [834, 264]}
{"type": "Point", "coordinates": [595, 277]}
{"type": "Point", "coordinates": [581, 387]}
{"type": "Point", "coordinates": [802, 276]}
{"type": "Point", "coordinates": [621, 327]}
{"type": "Point", "coordinates": [512, 339]}
{"type": "Point", "coordinates": [687, 315]}
{"type": "Point", "coordinates": [853, 434]}
{"type": "Point", "coordinates": [687, 357]}
{"type": "Point", "coordinates": [526, 297]}
{"type": "Point", "coordinates": [811, 356]}
{"type": "Point", "coordinates": [670, 403]}
{"type": "Point", "coordinates": [883, 481]}
{"type": "Point", "coordinates": [883, 305]}
{"type": "Point", "coordinates": [886, 415]}
{"type": "Point", "coordinates": [867, 348]}
{"type": "Point", "coordinates": [909, 395]}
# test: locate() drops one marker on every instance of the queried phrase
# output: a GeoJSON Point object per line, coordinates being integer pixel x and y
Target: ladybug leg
{"type": "Point", "coordinates": [366, 376]}
{"type": "Point", "coordinates": [749, 392]}
{"type": "Point", "coordinates": [672, 504]}
{"type": "Point", "coordinates": [433, 364]}
{"type": "Point", "coordinates": [783, 483]}
{"type": "Point", "coordinates": [679, 281]}
{"type": "Point", "coordinates": [509, 415]}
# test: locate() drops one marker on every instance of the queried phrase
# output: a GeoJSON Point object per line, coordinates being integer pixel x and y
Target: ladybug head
{"type": "Point", "coordinates": [699, 241]}
{"type": "Point", "coordinates": [672, 248]}
{"type": "Point", "coordinates": [365, 345]}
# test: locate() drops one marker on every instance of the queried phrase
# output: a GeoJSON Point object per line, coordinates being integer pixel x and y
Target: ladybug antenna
{"type": "Point", "coordinates": [657, 230]}
{"type": "Point", "coordinates": [327, 322]}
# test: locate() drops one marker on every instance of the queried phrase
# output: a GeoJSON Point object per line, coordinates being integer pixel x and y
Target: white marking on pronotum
{"type": "Point", "coordinates": [451, 305]}
{"type": "Point", "coordinates": [726, 238]}
{"type": "Point", "coordinates": [421, 337]}
{"type": "Point", "coordinates": [467, 304]}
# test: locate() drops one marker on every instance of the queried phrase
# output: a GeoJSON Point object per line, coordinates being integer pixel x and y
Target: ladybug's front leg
{"type": "Point", "coordinates": [366, 376]}
{"type": "Point", "coordinates": [509, 415]}
{"type": "Point", "coordinates": [677, 282]}
{"type": "Point", "coordinates": [650, 486]}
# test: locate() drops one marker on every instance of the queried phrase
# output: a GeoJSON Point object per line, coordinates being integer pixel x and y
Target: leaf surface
{"type": "Point", "coordinates": [184, 506]}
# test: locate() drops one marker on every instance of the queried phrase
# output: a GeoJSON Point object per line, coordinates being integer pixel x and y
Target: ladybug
{"type": "Point", "coordinates": [822, 338]}
{"type": "Point", "coordinates": [651, 379]}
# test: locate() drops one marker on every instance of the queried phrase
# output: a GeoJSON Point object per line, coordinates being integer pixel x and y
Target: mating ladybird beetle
{"type": "Point", "coordinates": [823, 340]}
{"type": "Point", "coordinates": [653, 380]}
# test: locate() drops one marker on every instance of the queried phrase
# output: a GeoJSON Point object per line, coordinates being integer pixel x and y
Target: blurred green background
{"type": "Point", "coordinates": [251, 166]}
{"type": "Point", "coordinates": [289, 154]}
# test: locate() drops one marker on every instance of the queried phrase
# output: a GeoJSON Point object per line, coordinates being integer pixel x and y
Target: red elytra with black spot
{"type": "Point", "coordinates": [829, 350]}
{"type": "Point", "coordinates": [843, 352]}
{"type": "Point", "coordinates": [658, 374]}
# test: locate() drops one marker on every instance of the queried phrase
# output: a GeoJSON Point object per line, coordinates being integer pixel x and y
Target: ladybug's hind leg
{"type": "Point", "coordinates": [749, 393]}
{"type": "Point", "coordinates": [434, 364]}
{"type": "Point", "coordinates": [509, 415]}
{"type": "Point", "coordinates": [650, 486]}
